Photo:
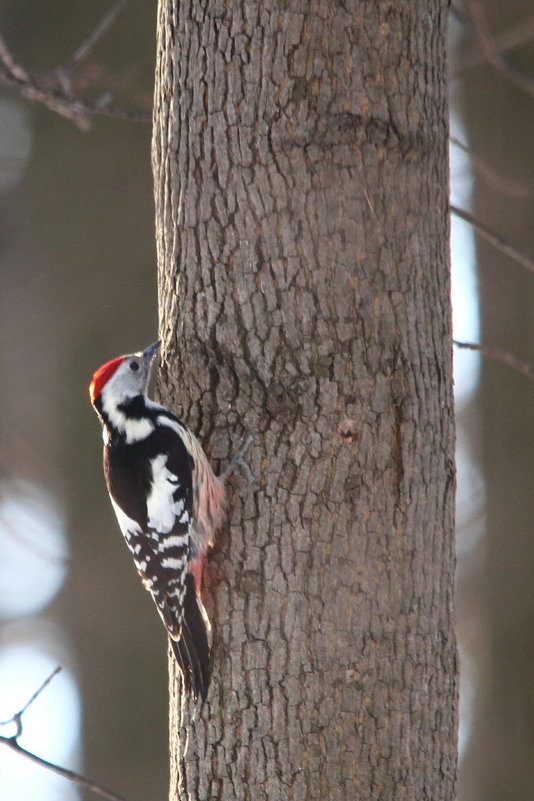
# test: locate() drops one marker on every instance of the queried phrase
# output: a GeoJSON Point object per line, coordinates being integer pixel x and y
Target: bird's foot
{"type": "Point", "coordinates": [237, 462]}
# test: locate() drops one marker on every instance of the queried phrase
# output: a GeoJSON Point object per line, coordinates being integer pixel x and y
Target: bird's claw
{"type": "Point", "coordinates": [237, 462]}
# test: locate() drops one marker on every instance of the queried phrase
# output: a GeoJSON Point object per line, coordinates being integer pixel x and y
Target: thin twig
{"type": "Point", "coordinates": [495, 239]}
{"type": "Point", "coordinates": [499, 355]}
{"type": "Point", "coordinates": [492, 53]}
{"type": "Point", "coordinates": [39, 690]}
{"type": "Point", "coordinates": [519, 34]}
{"type": "Point", "coordinates": [73, 109]}
{"type": "Point", "coordinates": [92, 40]}
{"type": "Point", "coordinates": [71, 775]}
{"type": "Point", "coordinates": [510, 188]}
{"type": "Point", "coordinates": [61, 104]}
{"type": "Point", "coordinates": [17, 717]}
{"type": "Point", "coordinates": [60, 97]}
{"type": "Point", "coordinates": [16, 70]}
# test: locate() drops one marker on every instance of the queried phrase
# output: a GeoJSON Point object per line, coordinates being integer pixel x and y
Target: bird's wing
{"type": "Point", "coordinates": [160, 544]}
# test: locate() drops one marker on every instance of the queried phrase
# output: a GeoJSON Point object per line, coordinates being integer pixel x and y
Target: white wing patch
{"type": "Point", "coordinates": [162, 509]}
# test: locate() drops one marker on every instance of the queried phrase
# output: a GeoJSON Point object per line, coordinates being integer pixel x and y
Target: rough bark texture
{"type": "Point", "coordinates": [300, 157]}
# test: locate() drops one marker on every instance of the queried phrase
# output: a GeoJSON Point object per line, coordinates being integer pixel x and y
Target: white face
{"type": "Point", "coordinates": [129, 380]}
{"type": "Point", "coordinates": [126, 378]}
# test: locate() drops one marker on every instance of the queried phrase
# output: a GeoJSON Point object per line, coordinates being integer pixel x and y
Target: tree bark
{"type": "Point", "coordinates": [300, 160]}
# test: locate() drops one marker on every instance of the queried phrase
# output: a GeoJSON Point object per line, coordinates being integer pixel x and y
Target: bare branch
{"type": "Point", "coordinates": [499, 355]}
{"type": "Point", "coordinates": [61, 104]}
{"type": "Point", "coordinates": [519, 34]}
{"type": "Point", "coordinates": [59, 96]}
{"type": "Point", "coordinates": [510, 188]}
{"type": "Point", "coordinates": [75, 110]}
{"type": "Point", "coordinates": [40, 689]}
{"type": "Point", "coordinates": [92, 40]}
{"type": "Point", "coordinates": [495, 239]}
{"type": "Point", "coordinates": [17, 717]}
{"type": "Point", "coordinates": [71, 775]}
{"type": "Point", "coordinates": [18, 72]}
{"type": "Point", "coordinates": [491, 52]}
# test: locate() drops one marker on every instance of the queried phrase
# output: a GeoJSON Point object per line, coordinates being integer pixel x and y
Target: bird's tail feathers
{"type": "Point", "coordinates": [192, 649]}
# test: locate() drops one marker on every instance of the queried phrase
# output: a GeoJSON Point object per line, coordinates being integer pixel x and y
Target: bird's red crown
{"type": "Point", "coordinates": [102, 376]}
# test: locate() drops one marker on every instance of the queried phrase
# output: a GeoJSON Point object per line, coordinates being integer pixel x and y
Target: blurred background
{"type": "Point", "coordinates": [78, 286]}
{"type": "Point", "coordinates": [492, 98]}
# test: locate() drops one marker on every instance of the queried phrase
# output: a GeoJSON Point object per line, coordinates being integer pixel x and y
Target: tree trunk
{"type": "Point", "coordinates": [300, 159]}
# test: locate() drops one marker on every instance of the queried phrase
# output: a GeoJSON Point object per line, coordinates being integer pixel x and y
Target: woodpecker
{"type": "Point", "coordinates": [168, 502]}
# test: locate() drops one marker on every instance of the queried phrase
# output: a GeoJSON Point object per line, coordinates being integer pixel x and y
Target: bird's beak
{"type": "Point", "coordinates": [151, 351]}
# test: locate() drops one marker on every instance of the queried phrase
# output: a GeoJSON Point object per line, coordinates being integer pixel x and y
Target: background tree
{"type": "Point", "coordinates": [495, 49]}
{"type": "Point", "coordinates": [301, 194]}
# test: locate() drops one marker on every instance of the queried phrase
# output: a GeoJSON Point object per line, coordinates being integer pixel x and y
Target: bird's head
{"type": "Point", "coordinates": [122, 378]}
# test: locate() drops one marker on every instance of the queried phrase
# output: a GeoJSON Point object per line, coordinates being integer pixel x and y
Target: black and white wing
{"type": "Point", "coordinates": [158, 534]}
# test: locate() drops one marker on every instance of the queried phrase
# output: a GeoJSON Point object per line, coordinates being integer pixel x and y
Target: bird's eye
{"type": "Point", "coordinates": [134, 366]}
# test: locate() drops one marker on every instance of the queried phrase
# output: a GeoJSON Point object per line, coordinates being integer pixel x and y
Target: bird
{"type": "Point", "coordinates": [168, 502]}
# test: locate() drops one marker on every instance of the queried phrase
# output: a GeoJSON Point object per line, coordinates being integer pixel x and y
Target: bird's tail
{"type": "Point", "coordinates": [192, 650]}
